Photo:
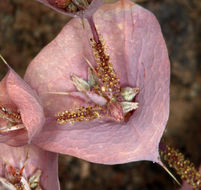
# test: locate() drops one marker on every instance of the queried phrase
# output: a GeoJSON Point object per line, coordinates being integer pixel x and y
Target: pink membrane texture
{"type": "Point", "coordinates": [95, 4]}
{"type": "Point", "coordinates": [37, 159]}
{"type": "Point", "coordinates": [139, 55]}
{"type": "Point", "coordinates": [15, 95]}
{"type": "Point", "coordinates": [186, 186]}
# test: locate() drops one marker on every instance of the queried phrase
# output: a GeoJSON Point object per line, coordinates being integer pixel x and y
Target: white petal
{"type": "Point", "coordinates": [129, 106]}
{"type": "Point", "coordinates": [35, 179]}
{"type": "Point", "coordinates": [79, 83]}
{"type": "Point", "coordinates": [129, 93]}
{"type": "Point", "coordinates": [25, 183]}
{"type": "Point", "coordinates": [9, 128]}
{"type": "Point", "coordinates": [97, 99]}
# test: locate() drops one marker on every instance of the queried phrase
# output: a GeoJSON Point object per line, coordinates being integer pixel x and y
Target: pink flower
{"type": "Point", "coordinates": [21, 113]}
{"type": "Point", "coordinates": [80, 8]}
{"type": "Point", "coordinates": [139, 57]}
{"type": "Point", "coordinates": [29, 167]}
{"type": "Point", "coordinates": [21, 118]}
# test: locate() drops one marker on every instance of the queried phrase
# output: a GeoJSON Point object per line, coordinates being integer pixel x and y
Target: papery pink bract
{"type": "Point", "coordinates": [186, 186]}
{"type": "Point", "coordinates": [45, 161]}
{"type": "Point", "coordinates": [95, 4]}
{"type": "Point", "coordinates": [139, 56]}
{"type": "Point", "coordinates": [16, 94]}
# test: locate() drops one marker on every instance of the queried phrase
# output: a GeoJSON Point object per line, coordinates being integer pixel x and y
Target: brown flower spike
{"type": "Point", "coordinates": [103, 90]}
{"type": "Point", "coordinates": [184, 168]}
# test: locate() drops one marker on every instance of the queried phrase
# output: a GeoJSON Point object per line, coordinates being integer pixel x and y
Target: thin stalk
{"type": "Point", "coordinates": [93, 29]}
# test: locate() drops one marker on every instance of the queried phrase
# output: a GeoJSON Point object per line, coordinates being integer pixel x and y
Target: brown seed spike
{"type": "Point", "coordinates": [184, 168]}
{"type": "Point", "coordinates": [80, 114]}
{"type": "Point", "coordinates": [105, 70]}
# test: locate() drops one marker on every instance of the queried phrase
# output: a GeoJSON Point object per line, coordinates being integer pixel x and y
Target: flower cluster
{"type": "Point", "coordinates": [98, 92]}
{"type": "Point", "coordinates": [103, 91]}
{"type": "Point", "coordinates": [74, 8]}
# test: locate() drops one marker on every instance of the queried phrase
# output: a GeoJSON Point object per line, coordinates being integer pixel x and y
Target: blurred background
{"type": "Point", "coordinates": [26, 26]}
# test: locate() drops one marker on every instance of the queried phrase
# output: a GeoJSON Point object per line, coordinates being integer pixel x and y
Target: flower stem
{"type": "Point", "coordinates": [93, 29]}
{"type": "Point", "coordinates": [184, 168]}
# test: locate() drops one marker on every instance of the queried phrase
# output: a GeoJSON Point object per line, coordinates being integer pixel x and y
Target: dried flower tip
{"type": "Point", "coordinates": [71, 5]}
{"type": "Point", "coordinates": [23, 185]}
{"type": "Point", "coordinates": [79, 83]}
{"type": "Point", "coordinates": [105, 70]}
{"type": "Point", "coordinates": [129, 93]}
{"type": "Point", "coordinates": [6, 185]}
{"type": "Point", "coordinates": [129, 106]}
{"type": "Point", "coordinates": [60, 3]}
{"type": "Point", "coordinates": [13, 120]}
{"type": "Point", "coordinates": [9, 115]}
{"type": "Point", "coordinates": [80, 114]}
{"type": "Point", "coordinates": [90, 65]}
{"type": "Point", "coordinates": [92, 79]}
{"type": "Point", "coordinates": [92, 75]}
{"type": "Point", "coordinates": [184, 168]}
{"type": "Point", "coordinates": [72, 8]}
{"type": "Point", "coordinates": [81, 4]}
{"type": "Point", "coordinates": [34, 180]}
{"type": "Point", "coordinates": [9, 127]}
{"type": "Point", "coordinates": [115, 111]}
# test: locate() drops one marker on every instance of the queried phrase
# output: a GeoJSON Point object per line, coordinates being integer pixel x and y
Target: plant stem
{"type": "Point", "coordinates": [93, 29]}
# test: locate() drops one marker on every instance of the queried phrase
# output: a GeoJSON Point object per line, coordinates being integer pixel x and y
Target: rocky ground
{"type": "Point", "coordinates": [27, 26]}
